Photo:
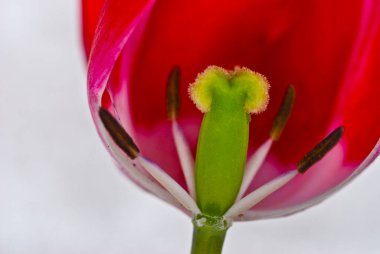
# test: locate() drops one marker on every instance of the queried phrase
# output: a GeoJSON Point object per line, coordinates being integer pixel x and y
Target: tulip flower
{"type": "Point", "coordinates": [224, 143]}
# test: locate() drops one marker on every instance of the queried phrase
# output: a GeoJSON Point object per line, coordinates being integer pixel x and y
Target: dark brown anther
{"type": "Point", "coordinates": [283, 113]}
{"type": "Point", "coordinates": [320, 150]}
{"type": "Point", "coordinates": [118, 134]}
{"type": "Point", "coordinates": [172, 93]}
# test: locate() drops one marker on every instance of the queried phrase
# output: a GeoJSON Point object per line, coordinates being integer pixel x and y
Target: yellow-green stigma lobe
{"type": "Point", "coordinates": [254, 85]}
{"type": "Point", "coordinates": [227, 98]}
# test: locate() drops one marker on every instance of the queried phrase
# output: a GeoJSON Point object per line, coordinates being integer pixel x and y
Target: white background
{"type": "Point", "coordinates": [60, 192]}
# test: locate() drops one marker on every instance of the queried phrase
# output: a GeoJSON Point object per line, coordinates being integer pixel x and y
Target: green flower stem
{"type": "Point", "coordinates": [208, 235]}
{"type": "Point", "coordinates": [207, 240]}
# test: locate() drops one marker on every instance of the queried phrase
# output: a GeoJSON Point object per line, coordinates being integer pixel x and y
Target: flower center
{"type": "Point", "coordinates": [217, 184]}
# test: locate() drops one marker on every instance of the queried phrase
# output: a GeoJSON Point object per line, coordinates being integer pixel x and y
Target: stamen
{"type": "Point", "coordinates": [172, 93]}
{"type": "Point", "coordinates": [118, 134]}
{"type": "Point", "coordinates": [183, 150]}
{"type": "Point", "coordinates": [185, 157]}
{"type": "Point", "coordinates": [125, 143]}
{"type": "Point", "coordinates": [283, 113]}
{"type": "Point", "coordinates": [320, 150]}
{"type": "Point", "coordinates": [258, 195]}
{"type": "Point", "coordinates": [258, 158]}
{"type": "Point", "coordinates": [253, 165]}
{"type": "Point", "coordinates": [135, 174]}
{"type": "Point", "coordinates": [170, 184]}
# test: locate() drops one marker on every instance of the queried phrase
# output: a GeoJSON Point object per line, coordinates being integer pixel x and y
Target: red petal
{"type": "Point", "coordinates": [90, 16]}
{"type": "Point", "coordinates": [360, 109]}
{"type": "Point", "coordinates": [356, 109]}
{"type": "Point", "coordinates": [310, 44]}
{"type": "Point", "coordinates": [116, 25]}
{"type": "Point", "coordinates": [300, 42]}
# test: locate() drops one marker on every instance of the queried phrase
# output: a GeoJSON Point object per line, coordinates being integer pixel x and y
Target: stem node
{"type": "Point", "coordinates": [209, 234]}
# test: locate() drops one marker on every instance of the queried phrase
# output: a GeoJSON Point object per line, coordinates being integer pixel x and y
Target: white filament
{"type": "Point", "coordinates": [170, 185]}
{"type": "Point", "coordinates": [185, 157]}
{"type": "Point", "coordinates": [243, 205]}
{"type": "Point", "coordinates": [253, 165]}
{"type": "Point", "coordinates": [136, 174]}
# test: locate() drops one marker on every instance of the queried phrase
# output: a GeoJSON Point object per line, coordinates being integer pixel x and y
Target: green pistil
{"type": "Point", "coordinates": [227, 98]}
